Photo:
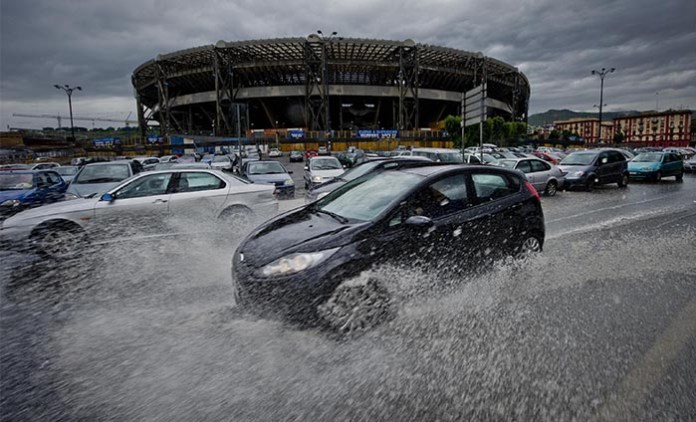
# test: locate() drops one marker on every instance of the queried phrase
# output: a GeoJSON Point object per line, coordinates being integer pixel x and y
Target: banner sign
{"type": "Point", "coordinates": [105, 142]}
{"type": "Point", "coordinates": [296, 133]}
{"type": "Point", "coordinates": [381, 134]}
{"type": "Point", "coordinates": [155, 139]}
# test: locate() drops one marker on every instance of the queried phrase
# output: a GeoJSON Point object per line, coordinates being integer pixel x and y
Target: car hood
{"type": "Point", "coordinates": [8, 195]}
{"type": "Point", "coordinates": [268, 178]}
{"type": "Point", "coordinates": [75, 205]}
{"type": "Point", "coordinates": [327, 173]}
{"type": "Point", "coordinates": [302, 230]}
{"type": "Point", "coordinates": [86, 189]}
{"type": "Point", "coordinates": [636, 165]}
{"type": "Point", "coordinates": [570, 169]}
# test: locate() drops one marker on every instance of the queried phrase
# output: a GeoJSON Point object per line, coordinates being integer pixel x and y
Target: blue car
{"type": "Point", "coordinates": [656, 165]}
{"type": "Point", "coordinates": [271, 172]}
{"type": "Point", "coordinates": [22, 189]}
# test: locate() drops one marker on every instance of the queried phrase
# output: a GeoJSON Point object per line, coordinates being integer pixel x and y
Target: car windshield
{"type": "Point", "coordinates": [266, 168]}
{"type": "Point", "coordinates": [507, 163]}
{"type": "Point", "coordinates": [579, 159]}
{"type": "Point", "coordinates": [66, 170]}
{"type": "Point", "coordinates": [648, 157]}
{"type": "Point", "coordinates": [358, 171]}
{"type": "Point", "coordinates": [207, 157]}
{"type": "Point", "coordinates": [220, 159]}
{"type": "Point", "coordinates": [325, 164]}
{"type": "Point", "coordinates": [450, 157]}
{"type": "Point", "coordinates": [103, 174]}
{"type": "Point", "coordinates": [14, 181]}
{"type": "Point", "coordinates": [365, 198]}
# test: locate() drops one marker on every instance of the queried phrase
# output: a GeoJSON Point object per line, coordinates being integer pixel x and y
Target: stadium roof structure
{"type": "Point", "coordinates": [296, 81]}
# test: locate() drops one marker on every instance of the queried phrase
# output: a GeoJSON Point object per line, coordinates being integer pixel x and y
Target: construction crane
{"type": "Point", "coordinates": [60, 118]}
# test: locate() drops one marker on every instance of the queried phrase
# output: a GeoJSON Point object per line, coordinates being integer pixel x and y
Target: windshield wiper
{"type": "Point", "coordinates": [337, 217]}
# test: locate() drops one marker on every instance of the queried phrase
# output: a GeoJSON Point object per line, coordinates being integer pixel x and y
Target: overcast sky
{"type": "Point", "coordinates": [556, 43]}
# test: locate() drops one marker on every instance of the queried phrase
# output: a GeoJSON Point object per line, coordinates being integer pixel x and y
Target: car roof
{"type": "Point", "coordinates": [106, 163]}
{"type": "Point", "coordinates": [440, 168]}
{"type": "Point", "coordinates": [24, 171]}
{"type": "Point", "coordinates": [436, 149]}
{"type": "Point", "coordinates": [322, 158]}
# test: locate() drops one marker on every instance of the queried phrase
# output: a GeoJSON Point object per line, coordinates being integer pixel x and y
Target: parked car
{"type": "Point", "coordinates": [296, 156]}
{"type": "Point", "coordinates": [439, 155]}
{"type": "Point", "coordinates": [186, 159]}
{"type": "Point", "coordinates": [310, 264]}
{"type": "Point", "coordinates": [45, 166]}
{"type": "Point", "coordinates": [97, 178]}
{"type": "Point", "coordinates": [352, 157]}
{"type": "Point", "coordinates": [368, 167]}
{"type": "Point", "coordinates": [270, 172]}
{"type": "Point", "coordinates": [656, 165]}
{"type": "Point", "coordinates": [147, 161]}
{"type": "Point", "coordinates": [320, 170]}
{"type": "Point", "coordinates": [168, 158]}
{"type": "Point", "coordinates": [23, 189]}
{"type": "Point", "coordinates": [587, 169]}
{"type": "Point", "coordinates": [67, 172]}
{"type": "Point", "coordinates": [144, 204]}
{"type": "Point", "coordinates": [690, 165]}
{"type": "Point", "coordinates": [310, 153]}
{"type": "Point", "coordinates": [323, 151]}
{"type": "Point", "coordinates": [274, 153]}
{"type": "Point", "coordinates": [15, 166]}
{"type": "Point", "coordinates": [221, 162]}
{"type": "Point", "coordinates": [198, 165]}
{"type": "Point", "coordinates": [546, 178]}
{"type": "Point", "coordinates": [547, 156]}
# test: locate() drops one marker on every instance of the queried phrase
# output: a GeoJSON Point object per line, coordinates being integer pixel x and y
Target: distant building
{"type": "Point", "coordinates": [586, 128]}
{"type": "Point", "coordinates": [661, 129]}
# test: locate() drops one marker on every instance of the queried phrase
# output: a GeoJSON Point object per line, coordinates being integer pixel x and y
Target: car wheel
{"type": "Point", "coordinates": [60, 241]}
{"type": "Point", "coordinates": [658, 177]}
{"type": "Point", "coordinates": [530, 245]}
{"type": "Point", "coordinates": [624, 181]}
{"type": "Point", "coordinates": [551, 188]}
{"type": "Point", "coordinates": [355, 306]}
{"type": "Point", "coordinates": [680, 177]}
{"type": "Point", "coordinates": [236, 218]}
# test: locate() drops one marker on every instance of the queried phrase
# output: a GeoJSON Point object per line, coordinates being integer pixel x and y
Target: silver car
{"type": "Point", "coordinates": [97, 178]}
{"type": "Point", "coordinates": [156, 202]}
{"type": "Point", "coordinates": [546, 178]}
{"type": "Point", "coordinates": [321, 169]}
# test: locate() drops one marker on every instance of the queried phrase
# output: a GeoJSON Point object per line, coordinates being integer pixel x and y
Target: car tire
{"type": "Point", "coordinates": [355, 306]}
{"type": "Point", "coordinates": [658, 177]}
{"type": "Point", "coordinates": [530, 244]}
{"type": "Point", "coordinates": [59, 240]}
{"type": "Point", "coordinates": [680, 177]}
{"type": "Point", "coordinates": [237, 217]}
{"type": "Point", "coordinates": [551, 188]}
{"type": "Point", "coordinates": [623, 182]}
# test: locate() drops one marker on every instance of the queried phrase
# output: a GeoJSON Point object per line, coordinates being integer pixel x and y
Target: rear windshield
{"type": "Point", "coordinates": [579, 159]}
{"type": "Point", "coordinates": [102, 174]}
{"type": "Point", "coordinates": [13, 181]}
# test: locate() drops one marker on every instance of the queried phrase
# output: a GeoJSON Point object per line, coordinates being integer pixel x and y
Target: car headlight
{"type": "Point", "coordinates": [296, 262]}
{"type": "Point", "coordinates": [69, 196]}
{"type": "Point", "coordinates": [317, 178]}
{"type": "Point", "coordinates": [11, 203]}
{"type": "Point", "coordinates": [578, 173]}
{"type": "Point", "coordinates": [289, 182]}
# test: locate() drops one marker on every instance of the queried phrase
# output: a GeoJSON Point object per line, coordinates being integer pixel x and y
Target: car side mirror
{"type": "Point", "coordinates": [289, 171]}
{"type": "Point", "coordinates": [603, 160]}
{"type": "Point", "coordinates": [107, 197]}
{"type": "Point", "coordinates": [419, 222]}
{"type": "Point", "coordinates": [344, 166]}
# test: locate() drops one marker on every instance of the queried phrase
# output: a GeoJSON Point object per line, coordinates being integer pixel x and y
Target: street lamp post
{"type": "Point", "coordinates": [69, 90]}
{"type": "Point", "coordinates": [325, 74]}
{"type": "Point", "coordinates": [602, 73]}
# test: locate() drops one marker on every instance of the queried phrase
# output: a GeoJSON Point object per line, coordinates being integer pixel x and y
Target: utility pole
{"type": "Point", "coordinates": [69, 90]}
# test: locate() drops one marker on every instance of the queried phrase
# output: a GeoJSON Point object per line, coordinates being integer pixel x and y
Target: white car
{"type": "Point", "coordinates": [275, 152]}
{"type": "Point", "coordinates": [221, 162]}
{"type": "Point", "coordinates": [321, 169]}
{"type": "Point", "coordinates": [157, 202]}
{"type": "Point", "coordinates": [45, 166]}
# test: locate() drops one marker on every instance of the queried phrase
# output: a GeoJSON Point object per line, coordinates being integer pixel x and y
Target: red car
{"type": "Point", "coordinates": [311, 153]}
{"type": "Point", "coordinates": [547, 157]}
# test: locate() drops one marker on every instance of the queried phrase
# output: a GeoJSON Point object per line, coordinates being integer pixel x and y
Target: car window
{"type": "Point", "coordinates": [441, 198]}
{"type": "Point", "coordinates": [524, 166]}
{"type": "Point", "coordinates": [53, 178]}
{"type": "Point", "coordinates": [155, 184]}
{"type": "Point", "coordinates": [194, 182]}
{"type": "Point", "coordinates": [42, 180]}
{"type": "Point", "coordinates": [539, 166]}
{"type": "Point", "coordinates": [489, 187]}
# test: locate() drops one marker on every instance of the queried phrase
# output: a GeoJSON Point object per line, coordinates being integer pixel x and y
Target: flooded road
{"type": "Point", "coordinates": [601, 326]}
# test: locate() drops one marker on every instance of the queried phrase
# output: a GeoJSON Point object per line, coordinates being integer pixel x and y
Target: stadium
{"type": "Point", "coordinates": [320, 85]}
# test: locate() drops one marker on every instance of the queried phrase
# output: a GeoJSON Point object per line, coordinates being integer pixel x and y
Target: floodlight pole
{"type": "Point", "coordinates": [69, 90]}
{"type": "Point", "coordinates": [602, 73]}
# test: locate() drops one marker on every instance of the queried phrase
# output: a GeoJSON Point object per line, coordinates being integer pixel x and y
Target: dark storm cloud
{"type": "Point", "coordinates": [98, 44]}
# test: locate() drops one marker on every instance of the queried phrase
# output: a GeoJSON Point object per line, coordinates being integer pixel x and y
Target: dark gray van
{"type": "Point", "coordinates": [587, 169]}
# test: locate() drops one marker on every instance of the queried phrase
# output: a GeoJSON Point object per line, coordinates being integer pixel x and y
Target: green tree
{"type": "Point", "coordinates": [554, 134]}
{"type": "Point", "coordinates": [454, 129]}
{"type": "Point", "coordinates": [619, 137]}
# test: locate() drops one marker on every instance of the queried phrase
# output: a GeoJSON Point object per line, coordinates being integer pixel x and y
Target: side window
{"type": "Point", "coordinates": [524, 166]}
{"type": "Point", "coordinates": [474, 159]}
{"type": "Point", "coordinates": [195, 181]}
{"type": "Point", "coordinates": [666, 158]}
{"type": "Point", "coordinates": [136, 167]}
{"type": "Point", "coordinates": [155, 184]}
{"type": "Point", "coordinates": [603, 158]}
{"type": "Point", "coordinates": [540, 166]}
{"type": "Point", "coordinates": [490, 187]}
{"type": "Point", "coordinates": [53, 178]}
{"type": "Point", "coordinates": [42, 180]}
{"type": "Point", "coordinates": [441, 198]}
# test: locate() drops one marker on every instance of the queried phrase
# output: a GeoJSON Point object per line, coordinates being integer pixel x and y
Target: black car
{"type": "Point", "coordinates": [352, 157]}
{"type": "Point", "coordinates": [587, 169]}
{"type": "Point", "coordinates": [372, 166]}
{"type": "Point", "coordinates": [296, 156]}
{"type": "Point", "coordinates": [306, 264]}
{"type": "Point", "coordinates": [271, 172]}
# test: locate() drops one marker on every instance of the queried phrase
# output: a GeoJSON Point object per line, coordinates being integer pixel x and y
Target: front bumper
{"type": "Point", "coordinates": [642, 174]}
{"type": "Point", "coordinates": [574, 182]}
{"type": "Point", "coordinates": [283, 191]}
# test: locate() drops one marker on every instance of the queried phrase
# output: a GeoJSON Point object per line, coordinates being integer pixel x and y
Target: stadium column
{"type": "Point", "coordinates": [223, 91]}
{"type": "Point", "coordinates": [408, 85]}
{"type": "Point", "coordinates": [162, 101]}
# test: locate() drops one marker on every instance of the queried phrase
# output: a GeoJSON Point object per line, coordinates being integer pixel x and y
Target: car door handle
{"type": "Point", "coordinates": [159, 201]}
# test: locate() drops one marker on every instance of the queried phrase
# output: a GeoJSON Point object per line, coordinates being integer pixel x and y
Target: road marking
{"type": "Point", "coordinates": [644, 377]}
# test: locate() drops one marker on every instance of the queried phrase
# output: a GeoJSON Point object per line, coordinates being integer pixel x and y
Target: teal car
{"type": "Point", "coordinates": [656, 165]}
